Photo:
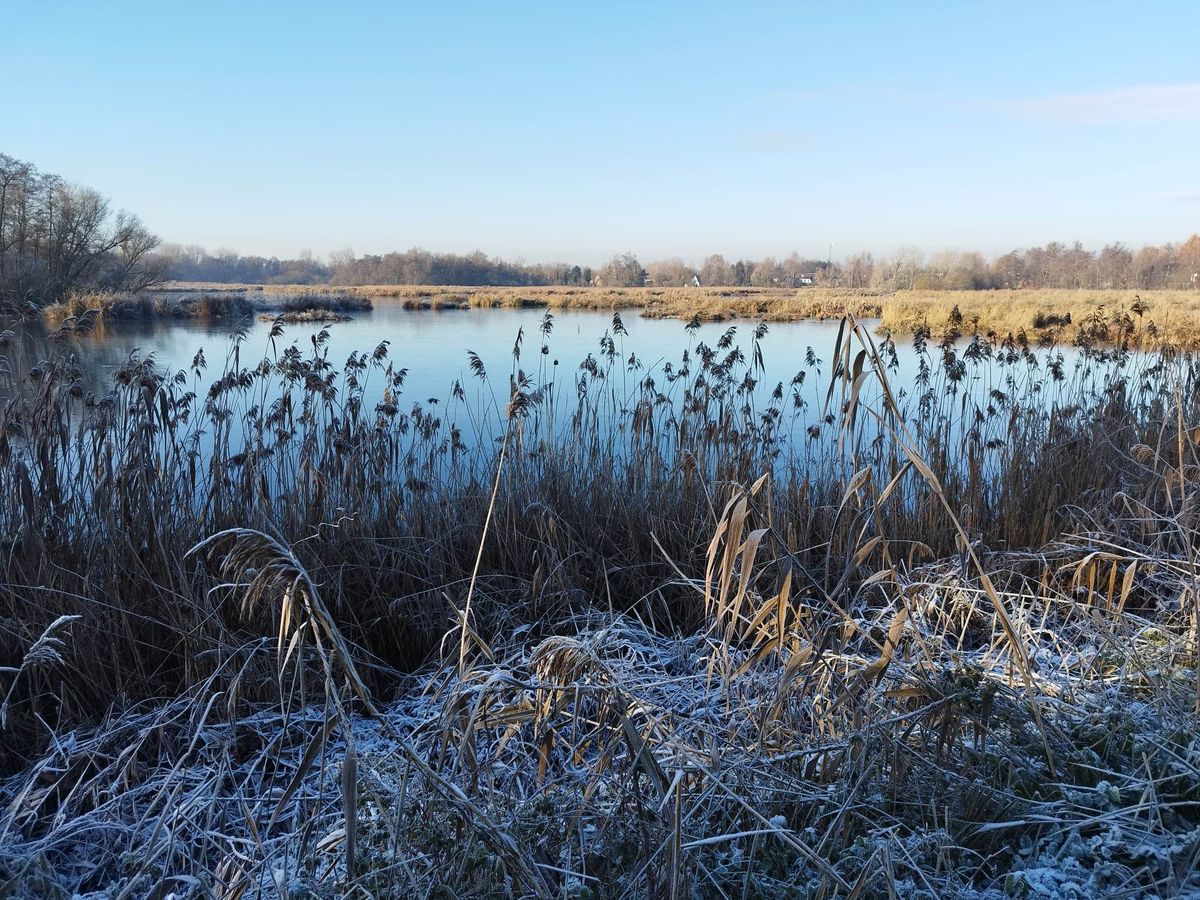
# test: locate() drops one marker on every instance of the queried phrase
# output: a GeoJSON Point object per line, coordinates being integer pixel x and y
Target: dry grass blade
{"type": "Point", "coordinates": [1016, 644]}
{"type": "Point", "coordinates": [720, 637]}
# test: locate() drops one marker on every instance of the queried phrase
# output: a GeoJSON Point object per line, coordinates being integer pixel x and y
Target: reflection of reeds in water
{"type": "Point", "coordinates": [718, 634]}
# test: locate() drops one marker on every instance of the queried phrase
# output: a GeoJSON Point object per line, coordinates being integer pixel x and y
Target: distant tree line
{"type": "Point", "coordinates": [194, 263]}
{"type": "Point", "coordinates": [57, 237]}
{"type": "Point", "coordinates": [1055, 265]}
{"type": "Point", "coordinates": [418, 266]}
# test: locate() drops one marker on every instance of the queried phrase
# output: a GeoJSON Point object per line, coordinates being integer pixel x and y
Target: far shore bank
{"type": "Point", "coordinates": [1150, 318]}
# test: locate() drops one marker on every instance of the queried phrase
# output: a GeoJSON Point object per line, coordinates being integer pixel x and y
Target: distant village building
{"type": "Point", "coordinates": [695, 281]}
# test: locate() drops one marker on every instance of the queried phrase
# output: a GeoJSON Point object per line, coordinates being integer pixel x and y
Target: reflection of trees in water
{"type": "Point", "coordinates": [99, 350]}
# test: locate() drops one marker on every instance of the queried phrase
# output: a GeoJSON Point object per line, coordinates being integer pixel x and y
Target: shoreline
{"type": "Point", "coordinates": [1161, 318]}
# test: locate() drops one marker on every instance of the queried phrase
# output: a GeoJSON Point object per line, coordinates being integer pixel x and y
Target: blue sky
{"type": "Point", "coordinates": [573, 130]}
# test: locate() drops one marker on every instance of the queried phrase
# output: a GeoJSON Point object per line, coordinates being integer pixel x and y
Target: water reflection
{"type": "Point", "coordinates": [432, 344]}
{"type": "Point", "coordinates": [435, 348]}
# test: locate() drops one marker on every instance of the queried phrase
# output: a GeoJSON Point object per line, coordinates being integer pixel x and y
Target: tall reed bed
{"type": "Point", "coordinates": [283, 631]}
{"type": "Point", "coordinates": [204, 306]}
{"type": "Point", "coordinates": [1155, 318]}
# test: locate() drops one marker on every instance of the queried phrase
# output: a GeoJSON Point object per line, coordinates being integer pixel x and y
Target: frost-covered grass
{"type": "Point", "coordinates": [618, 761]}
{"type": "Point", "coordinates": [344, 655]}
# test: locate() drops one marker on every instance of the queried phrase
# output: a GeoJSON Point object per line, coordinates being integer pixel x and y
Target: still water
{"type": "Point", "coordinates": [432, 344]}
{"type": "Point", "coordinates": [434, 347]}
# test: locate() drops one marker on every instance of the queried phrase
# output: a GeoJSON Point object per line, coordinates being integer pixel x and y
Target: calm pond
{"type": "Point", "coordinates": [434, 346]}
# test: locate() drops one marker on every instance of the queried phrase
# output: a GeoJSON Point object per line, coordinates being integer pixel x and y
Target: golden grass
{"type": "Point", "coordinates": [148, 305]}
{"type": "Point", "coordinates": [1170, 317]}
{"type": "Point", "coordinates": [1167, 317]}
{"type": "Point", "coordinates": [291, 306]}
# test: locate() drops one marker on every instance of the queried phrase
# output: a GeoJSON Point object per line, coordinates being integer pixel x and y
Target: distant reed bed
{"type": "Point", "coordinates": [1151, 318]}
{"type": "Point", "coordinates": [119, 306]}
{"type": "Point", "coordinates": [278, 629]}
{"type": "Point", "coordinates": [231, 306]}
{"type": "Point", "coordinates": [1160, 317]}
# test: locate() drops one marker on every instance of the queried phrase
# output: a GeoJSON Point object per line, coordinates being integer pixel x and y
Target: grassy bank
{"type": "Point", "coordinates": [144, 306]}
{"type": "Point", "coordinates": [310, 307]}
{"type": "Point", "coordinates": [1156, 318]}
{"type": "Point", "coordinates": [666, 634]}
{"type": "Point", "coordinates": [289, 306]}
{"type": "Point", "coordinates": [1153, 318]}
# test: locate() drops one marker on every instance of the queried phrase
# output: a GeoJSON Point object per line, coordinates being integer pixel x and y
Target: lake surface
{"type": "Point", "coordinates": [434, 347]}
{"type": "Point", "coordinates": [434, 344]}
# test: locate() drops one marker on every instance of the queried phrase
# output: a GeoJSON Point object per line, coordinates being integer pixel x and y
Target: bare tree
{"type": "Point", "coordinates": [671, 272]}
{"type": "Point", "coordinates": [858, 270]}
{"type": "Point", "coordinates": [56, 237]}
{"type": "Point", "coordinates": [623, 270]}
{"type": "Point", "coordinates": [716, 271]}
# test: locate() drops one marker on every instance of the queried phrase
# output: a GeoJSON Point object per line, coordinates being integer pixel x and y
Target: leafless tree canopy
{"type": "Point", "coordinates": [57, 237]}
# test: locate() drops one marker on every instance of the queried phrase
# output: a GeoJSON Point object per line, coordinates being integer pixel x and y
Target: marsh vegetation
{"type": "Point", "coordinates": [1157, 318]}
{"type": "Point", "coordinates": [280, 629]}
{"type": "Point", "coordinates": [207, 306]}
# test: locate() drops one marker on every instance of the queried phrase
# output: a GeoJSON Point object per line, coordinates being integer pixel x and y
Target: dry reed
{"type": "Point", "coordinates": [724, 641]}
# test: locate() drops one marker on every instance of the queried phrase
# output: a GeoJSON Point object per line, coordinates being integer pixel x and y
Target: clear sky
{"type": "Point", "coordinates": [572, 130]}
